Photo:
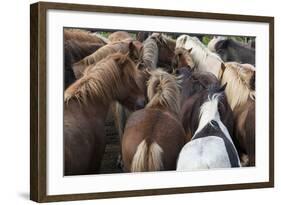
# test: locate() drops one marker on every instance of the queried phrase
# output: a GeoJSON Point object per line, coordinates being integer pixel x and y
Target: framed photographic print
{"type": "Point", "coordinates": [135, 102]}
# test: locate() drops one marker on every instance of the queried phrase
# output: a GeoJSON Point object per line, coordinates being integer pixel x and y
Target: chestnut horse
{"type": "Point", "coordinates": [240, 93]}
{"type": "Point", "coordinates": [154, 136]}
{"type": "Point", "coordinates": [133, 47]}
{"type": "Point", "coordinates": [87, 101]}
{"type": "Point", "coordinates": [183, 58]}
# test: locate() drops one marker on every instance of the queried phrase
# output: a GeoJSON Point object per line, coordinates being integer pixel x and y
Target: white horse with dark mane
{"type": "Point", "coordinates": [204, 59]}
{"type": "Point", "coordinates": [211, 146]}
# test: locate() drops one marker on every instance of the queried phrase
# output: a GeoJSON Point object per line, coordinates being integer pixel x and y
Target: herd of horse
{"type": "Point", "coordinates": [177, 104]}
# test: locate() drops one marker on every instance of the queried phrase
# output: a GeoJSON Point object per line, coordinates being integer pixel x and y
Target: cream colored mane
{"type": "Point", "coordinates": [238, 89]}
{"type": "Point", "coordinates": [163, 92]}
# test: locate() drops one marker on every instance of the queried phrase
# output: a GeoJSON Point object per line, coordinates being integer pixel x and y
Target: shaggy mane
{"type": "Point", "coordinates": [102, 80]}
{"type": "Point", "coordinates": [163, 92]}
{"type": "Point", "coordinates": [150, 53]}
{"type": "Point", "coordinates": [238, 89]}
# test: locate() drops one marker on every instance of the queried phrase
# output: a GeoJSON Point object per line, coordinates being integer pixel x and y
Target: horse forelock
{"type": "Point", "coordinates": [164, 91]}
{"type": "Point", "coordinates": [233, 77]}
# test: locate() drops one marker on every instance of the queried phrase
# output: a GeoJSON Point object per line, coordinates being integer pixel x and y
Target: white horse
{"type": "Point", "coordinates": [211, 146]}
{"type": "Point", "coordinates": [204, 59]}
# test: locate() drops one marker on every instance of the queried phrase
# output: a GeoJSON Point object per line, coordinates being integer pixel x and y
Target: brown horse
{"type": "Point", "coordinates": [195, 85]}
{"type": "Point", "coordinates": [240, 93]}
{"type": "Point", "coordinates": [154, 136]}
{"type": "Point", "coordinates": [75, 51]}
{"type": "Point", "coordinates": [183, 58]}
{"type": "Point", "coordinates": [87, 100]}
{"type": "Point", "coordinates": [119, 36]}
{"type": "Point", "coordinates": [133, 47]}
{"type": "Point", "coordinates": [83, 36]}
{"type": "Point", "coordinates": [158, 51]}
{"type": "Point", "coordinates": [166, 46]}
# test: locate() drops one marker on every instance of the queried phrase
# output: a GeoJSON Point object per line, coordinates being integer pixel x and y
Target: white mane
{"type": "Point", "coordinates": [203, 58]}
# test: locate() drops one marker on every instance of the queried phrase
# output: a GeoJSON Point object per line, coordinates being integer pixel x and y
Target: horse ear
{"type": "Point", "coordinates": [222, 88]}
{"type": "Point", "coordinates": [189, 50]}
{"type": "Point", "coordinates": [223, 44]}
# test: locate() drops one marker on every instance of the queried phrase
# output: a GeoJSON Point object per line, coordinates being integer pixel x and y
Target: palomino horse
{"type": "Point", "coordinates": [133, 47]}
{"type": "Point", "coordinates": [154, 136]}
{"type": "Point", "coordinates": [119, 36]}
{"type": "Point", "coordinates": [75, 51]}
{"type": "Point", "coordinates": [83, 36]}
{"type": "Point", "coordinates": [203, 58]}
{"type": "Point", "coordinates": [194, 85]}
{"type": "Point", "coordinates": [87, 101]}
{"type": "Point", "coordinates": [241, 77]}
{"type": "Point", "coordinates": [211, 145]}
{"type": "Point", "coordinates": [231, 50]}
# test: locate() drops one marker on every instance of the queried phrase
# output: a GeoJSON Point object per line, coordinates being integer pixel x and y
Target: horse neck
{"type": "Point", "coordinates": [91, 110]}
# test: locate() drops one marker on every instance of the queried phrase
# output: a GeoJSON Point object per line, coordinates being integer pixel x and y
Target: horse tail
{"type": "Point", "coordinates": [147, 158]}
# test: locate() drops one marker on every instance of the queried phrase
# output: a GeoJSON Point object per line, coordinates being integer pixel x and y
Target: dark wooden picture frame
{"type": "Point", "coordinates": [38, 101]}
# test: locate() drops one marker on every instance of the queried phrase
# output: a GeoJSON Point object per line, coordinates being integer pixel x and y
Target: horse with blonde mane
{"type": "Point", "coordinates": [154, 136]}
{"type": "Point", "coordinates": [83, 36]}
{"type": "Point", "coordinates": [203, 58]}
{"type": "Point", "coordinates": [87, 101]}
{"type": "Point", "coordinates": [241, 78]}
{"type": "Point", "coordinates": [131, 47]}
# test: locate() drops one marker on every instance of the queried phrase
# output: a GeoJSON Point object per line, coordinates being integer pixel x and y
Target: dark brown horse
{"type": "Point", "coordinates": [87, 101]}
{"type": "Point", "coordinates": [154, 136]}
{"type": "Point", "coordinates": [194, 86]}
{"type": "Point", "coordinates": [75, 51]}
{"type": "Point", "coordinates": [131, 47]}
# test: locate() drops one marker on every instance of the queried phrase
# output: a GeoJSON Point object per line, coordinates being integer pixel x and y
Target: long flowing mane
{"type": "Point", "coordinates": [238, 79]}
{"type": "Point", "coordinates": [150, 53]}
{"type": "Point", "coordinates": [199, 51]}
{"type": "Point", "coordinates": [102, 80]}
{"type": "Point", "coordinates": [163, 92]}
{"type": "Point", "coordinates": [82, 36]}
